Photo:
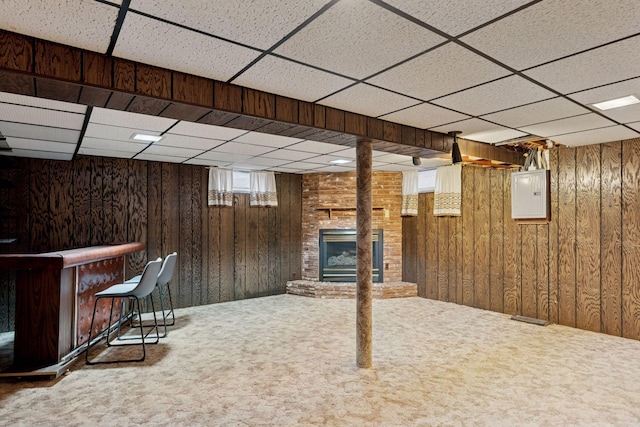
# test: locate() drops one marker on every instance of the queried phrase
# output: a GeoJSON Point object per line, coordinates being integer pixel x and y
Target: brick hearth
{"type": "Point", "coordinates": [310, 288]}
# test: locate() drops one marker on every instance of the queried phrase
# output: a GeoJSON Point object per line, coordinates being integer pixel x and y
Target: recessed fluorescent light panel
{"type": "Point", "coordinates": [146, 137]}
{"type": "Point", "coordinates": [340, 162]}
{"type": "Point", "coordinates": [617, 103]}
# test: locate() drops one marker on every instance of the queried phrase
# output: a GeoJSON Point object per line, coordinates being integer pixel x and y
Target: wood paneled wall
{"type": "Point", "coordinates": [581, 269]}
{"type": "Point", "coordinates": [224, 254]}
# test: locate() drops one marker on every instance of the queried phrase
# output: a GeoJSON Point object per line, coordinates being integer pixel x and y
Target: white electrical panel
{"type": "Point", "coordinates": [530, 195]}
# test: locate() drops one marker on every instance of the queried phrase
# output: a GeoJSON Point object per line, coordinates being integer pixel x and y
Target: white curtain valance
{"type": "Point", "coordinates": [409, 193]}
{"type": "Point", "coordinates": [220, 187]}
{"type": "Point", "coordinates": [448, 193]}
{"type": "Point", "coordinates": [262, 189]}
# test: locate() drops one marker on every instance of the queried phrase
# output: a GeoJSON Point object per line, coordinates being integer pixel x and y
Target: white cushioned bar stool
{"type": "Point", "coordinates": [164, 277]}
{"type": "Point", "coordinates": [133, 292]}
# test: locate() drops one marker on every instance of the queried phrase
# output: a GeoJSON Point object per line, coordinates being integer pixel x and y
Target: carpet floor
{"type": "Point", "coordinates": [290, 361]}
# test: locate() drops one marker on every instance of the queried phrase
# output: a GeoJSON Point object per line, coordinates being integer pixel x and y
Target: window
{"type": "Point", "coordinates": [427, 181]}
{"type": "Point", "coordinates": [240, 181]}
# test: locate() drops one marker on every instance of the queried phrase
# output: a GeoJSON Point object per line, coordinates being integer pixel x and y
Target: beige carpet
{"type": "Point", "coordinates": [289, 360]}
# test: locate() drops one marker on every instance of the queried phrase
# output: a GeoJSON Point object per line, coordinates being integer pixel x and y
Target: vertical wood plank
{"type": "Point", "coordinates": [170, 208]}
{"type": "Point", "coordinates": [284, 205]}
{"type": "Point", "coordinates": [296, 227]}
{"type": "Point", "coordinates": [137, 215]}
{"type": "Point", "coordinates": [97, 208]}
{"type": "Point", "coordinates": [529, 278]}
{"type": "Point", "coordinates": [274, 253]}
{"type": "Point", "coordinates": [213, 283]}
{"type": "Point", "coordinates": [252, 251]}
{"type": "Point", "coordinates": [409, 248]}
{"type": "Point", "coordinates": [459, 262]}
{"type": "Point", "coordinates": [611, 238]}
{"type": "Point", "coordinates": [120, 178]}
{"type": "Point", "coordinates": [588, 237]}
{"type": "Point", "coordinates": [468, 253]}
{"type": "Point", "coordinates": [107, 200]}
{"type": "Point", "coordinates": [542, 270]}
{"type": "Point", "coordinates": [496, 240]}
{"type": "Point", "coordinates": [431, 250]}
{"type": "Point", "coordinates": [82, 201]}
{"type": "Point", "coordinates": [553, 239]}
{"type": "Point", "coordinates": [154, 210]}
{"type": "Point", "coordinates": [421, 245]}
{"type": "Point", "coordinates": [197, 196]}
{"type": "Point", "coordinates": [61, 206]}
{"type": "Point", "coordinates": [512, 252]}
{"type": "Point", "coordinates": [204, 173]}
{"type": "Point", "coordinates": [481, 227]}
{"type": "Point", "coordinates": [630, 239]}
{"type": "Point", "coordinates": [453, 257]}
{"type": "Point", "coordinates": [263, 250]}
{"type": "Point", "coordinates": [185, 177]}
{"type": "Point", "coordinates": [226, 254]}
{"type": "Point", "coordinates": [441, 239]}
{"type": "Point", "coordinates": [567, 237]}
{"type": "Point", "coordinates": [241, 238]}
{"type": "Point", "coordinates": [40, 205]}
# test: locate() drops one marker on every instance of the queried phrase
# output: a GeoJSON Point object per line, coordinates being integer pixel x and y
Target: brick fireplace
{"type": "Point", "coordinates": [329, 202]}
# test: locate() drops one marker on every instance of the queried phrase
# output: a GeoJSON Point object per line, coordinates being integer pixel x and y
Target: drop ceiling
{"type": "Point", "coordinates": [494, 69]}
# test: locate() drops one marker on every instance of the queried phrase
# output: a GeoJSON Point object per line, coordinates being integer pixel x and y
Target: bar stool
{"type": "Point", "coordinates": [133, 292]}
{"type": "Point", "coordinates": [164, 277]}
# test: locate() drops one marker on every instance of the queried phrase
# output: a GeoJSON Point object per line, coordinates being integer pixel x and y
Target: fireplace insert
{"type": "Point", "coordinates": [338, 255]}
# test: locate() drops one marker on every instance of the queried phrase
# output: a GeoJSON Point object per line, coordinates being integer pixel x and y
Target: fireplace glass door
{"type": "Point", "coordinates": [338, 255]}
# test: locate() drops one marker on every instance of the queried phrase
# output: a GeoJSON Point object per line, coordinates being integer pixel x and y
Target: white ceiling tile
{"type": "Point", "coordinates": [142, 122]}
{"type": "Point", "coordinates": [113, 145]}
{"type": "Point", "coordinates": [180, 49]}
{"type": "Point", "coordinates": [316, 147]}
{"type": "Point", "coordinates": [493, 136]}
{"type": "Point", "coordinates": [163, 150]}
{"type": "Point", "coordinates": [284, 169]}
{"type": "Point", "coordinates": [368, 100]}
{"type": "Point", "coordinates": [635, 126]}
{"type": "Point", "coordinates": [266, 162]}
{"type": "Point", "coordinates": [393, 158]}
{"type": "Point", "coordinates": [97, 130]}
{"type": "Point", "coordinates": [38, 154]}
{"type": "Point", "coordinates": [21, 130]}
{"type": "Point", "coordinates": [448, 69]}
{"type": "Point", "coordinates": [259, 24]}
{"type": "Point", "coordinates": [350, 153]}
{"type": "Point", "coordinates": [267, 139]}
{"type": "Point", "coordinates": [608, 64]}
{"type": "Point", "coordinates": [39, 145]}
{"type": "Point", "coordinates": [335, 169]}
{"type": "Point", "coordinates": [32, 101]}
{"type": "Point", "coordinates": [224, 157]}
{"type": "Point", "coordinates": [304, 165]}
{"type": "Point", "coordinates": [568, 125]}
{"type": "Point", "coordinates": [40, 116]}
{"type": "Point", "coordinates": [552, 29]}
{"type": "Point", "coordinates": [204, 162]}
{"type": "Point", "coordinates": [468, 127]}
{"type": "Point", "coordinates": [173, 140]}
{"type": "Point", "coordinates": [247, 166]}
{"type": "Point", "coordinates": [505, 93]}
{"type": "Point", "coordinates": [105, 153]}
{"type": "Point", "coordinates": [289, 155]}
{"type": "Point", "coordinates": [205, 131]}
{"type": "Point", "coordinates": [596, 136]}
{"type": "Point", "coordinates": [394, 168]}
{"type": "Point", "coordinates": [160, 158]}
{"type": "Point", "coordinates": [424, 116]}
{"type": "Point", "coordinates": [434, 163]}
{"type": "Point", "coordinates": [326, 159]}
{"type": "Point", "coordinates": [245, 149]}
{"type": "Point", "coordinates": [357, 38]}
{"type": "Point", "coordinates": [287, 78]}
{"type": "Point", "coordinates": [608, 92]}
{"type": "Point", "coordinates": [456, 16]}
{"type": "Point", "coordinates": [538, 112]}
{"type": "Point", "coordinates": [84, 24]}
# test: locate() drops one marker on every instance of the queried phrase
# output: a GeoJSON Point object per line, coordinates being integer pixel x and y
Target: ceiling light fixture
{"type": "Point", "coordinates": [616, 103]}
{"type": "Point", "coordinates": [456, 157]}
{"type": "Point", "coordinates": [340, 162]}
{"type": "Point", "coordinates": [146, 137]}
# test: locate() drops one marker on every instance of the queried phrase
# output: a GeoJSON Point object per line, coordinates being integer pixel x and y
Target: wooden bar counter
{"type": "Point", "coordinates": [54, 301]}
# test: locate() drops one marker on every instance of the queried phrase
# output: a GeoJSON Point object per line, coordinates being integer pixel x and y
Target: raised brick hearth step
{"type": "Point", "coordinates": [309, 288]}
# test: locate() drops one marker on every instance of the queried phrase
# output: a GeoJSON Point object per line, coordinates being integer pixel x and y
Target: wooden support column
{"type": "Point", "coordinates": [364, 323]}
